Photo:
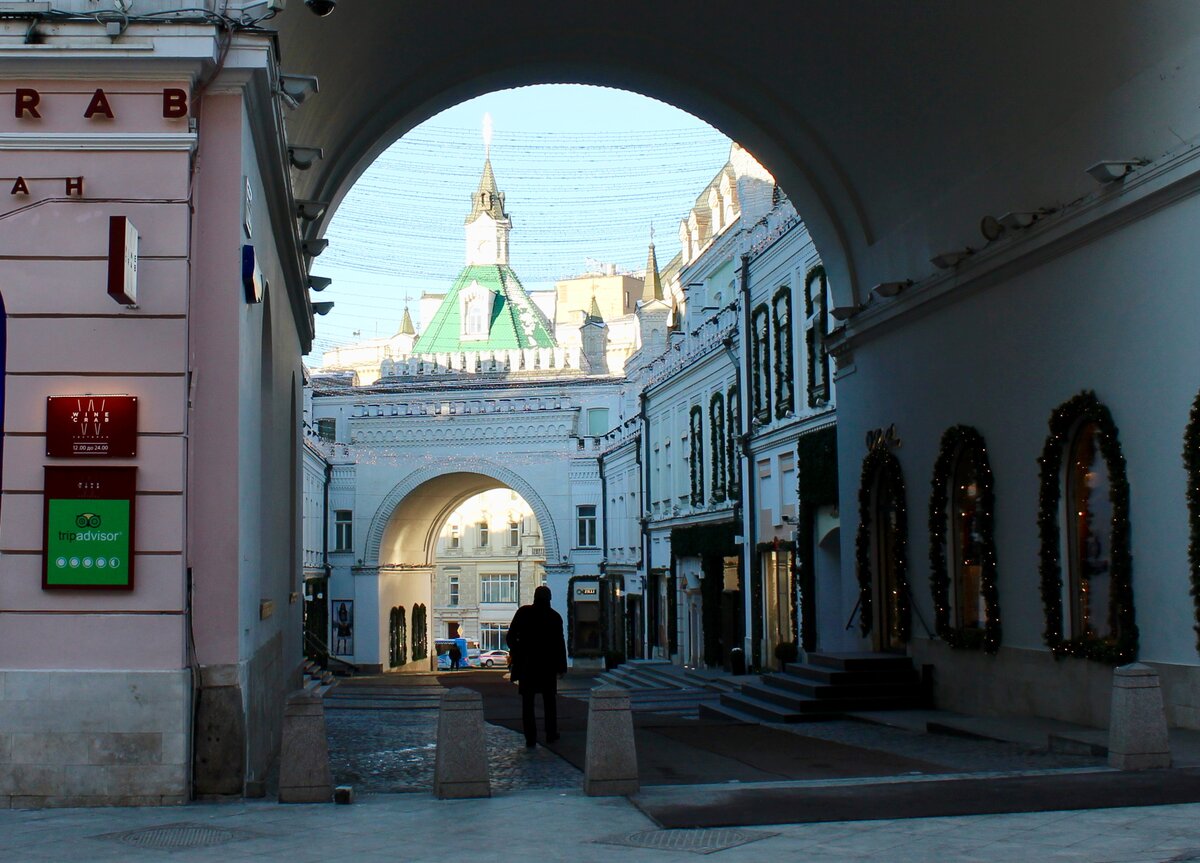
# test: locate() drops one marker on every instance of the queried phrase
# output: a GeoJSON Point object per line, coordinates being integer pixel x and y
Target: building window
{"type": "Point", "coordinates": [696, 455]}
{"type": "Point", "coordinates": [816, 325]}
{"type": "Point", "coordinates": [327, 429]}
{"type": "Point", "coordinates": [733, 458]}
{"type": "Point", "coordinates": [493, 636]}
{"type": "Point", "coordinates": [343, 530]}
{"type": "Point", "coordinates": [500, 587]}
{"type": "Point", "coordinates": [597, 421]}
{"type": "Point", "coordinates": [716, 431]}
{"type": "Point", "coordinates": [483, 534]}
{"type": "Point", "coordinates": [781, 309]}
{"type": "Point", "coordinates": [514, 534]}
{"type": "Point", "coordinates": [454, 590]}
{"type": "Point", "coordinates": [760, 366]}
{"type": "Point", "coordinates": [585, 522]}
{"type": "Point", "coordinates": [455, 536]}
{"type": "Point", "coordinates": [1089, 535]}
{"type": "Point", "coordinates": [397, 637]}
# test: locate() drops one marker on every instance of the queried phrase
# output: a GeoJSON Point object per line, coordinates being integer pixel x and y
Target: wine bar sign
{"type": "Point", "coordinates": [95, 426]}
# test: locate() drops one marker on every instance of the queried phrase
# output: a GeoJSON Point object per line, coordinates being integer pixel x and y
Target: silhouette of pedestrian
{"type": "Point", "coordinates": [455, 657]}
{"type": "Point", "coordinates": [539, 659]}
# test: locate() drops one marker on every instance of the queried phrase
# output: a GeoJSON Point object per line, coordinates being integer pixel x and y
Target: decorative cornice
{"type": "Point", "coordinates": [103, 141]}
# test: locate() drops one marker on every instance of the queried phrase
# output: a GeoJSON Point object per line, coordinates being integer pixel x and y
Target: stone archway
{"type": "Point", "coordinates": [502, 476]}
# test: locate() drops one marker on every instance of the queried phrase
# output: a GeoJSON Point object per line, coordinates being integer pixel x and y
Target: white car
{"type": "Point", "coordinates": [492, 658]}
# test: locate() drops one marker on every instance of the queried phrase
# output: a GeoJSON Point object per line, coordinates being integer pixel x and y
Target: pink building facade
{"type": "Point", "coordinates": [149, 689]}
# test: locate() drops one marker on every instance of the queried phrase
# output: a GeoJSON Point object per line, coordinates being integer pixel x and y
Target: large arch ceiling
{"type": "Point", "coordinates": [894, 125]}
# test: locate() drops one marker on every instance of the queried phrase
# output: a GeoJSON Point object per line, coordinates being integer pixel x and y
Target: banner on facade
{"type": "Point", "coordinates": [88, 522]}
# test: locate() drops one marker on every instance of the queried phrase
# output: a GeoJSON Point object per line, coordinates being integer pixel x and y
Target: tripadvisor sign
{"type": "Point", "coordinates": [89, 528]}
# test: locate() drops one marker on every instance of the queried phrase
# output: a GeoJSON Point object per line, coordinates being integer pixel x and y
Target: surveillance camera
{"type": "Point", "coordinates": [320, 8]}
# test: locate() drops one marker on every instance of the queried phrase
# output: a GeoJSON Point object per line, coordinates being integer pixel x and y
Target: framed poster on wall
{"type": "Point", "coordinates": [87, 528]}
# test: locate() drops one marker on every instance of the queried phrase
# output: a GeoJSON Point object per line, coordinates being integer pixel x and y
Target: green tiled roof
{"type": "Point", "coordinates": [516, 322]}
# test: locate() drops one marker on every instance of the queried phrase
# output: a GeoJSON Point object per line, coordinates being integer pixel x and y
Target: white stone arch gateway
{"type": "Point", "coordinates": [393, 500]}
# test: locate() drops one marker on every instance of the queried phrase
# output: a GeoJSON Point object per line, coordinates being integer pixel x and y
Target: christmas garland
{"type": "Point", "coordinates": [818, 392]}
{"type": "Point", "coordinates": [420, 632]}
{"type": "Point", "coordinates": [716, 419]}
{"type": "Point", "coordinates": [696, 455]}
{"type": "Point", "coordinates": [760, 397]}
{"type": "Point", "coordinates": [1123, 647]}
{"type": "Point", "coordinates": [963, 442]}
{"type": "Point", "coordinates": [784, 366]}
{"type": "Point", "coordinates": [881, 462]}
{"type": "Point", "coordinates": [1191, 464]}
{"type": "Point", "coordinates": [733, 459]}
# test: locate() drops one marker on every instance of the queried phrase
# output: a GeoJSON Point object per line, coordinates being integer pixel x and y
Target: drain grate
{"type": "Point", "coordinates": [698, 841]}
{"type": "Point", "coordinates": [176, 837]}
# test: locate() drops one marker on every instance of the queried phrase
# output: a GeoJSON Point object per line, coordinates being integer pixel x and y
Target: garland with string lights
{"type": "Point", "coordinates": [784, 363]}
{"type": "Point", "coordinates": [963, 442]}
{"type": "Point", "coordinates": [1191, 464]}
{"type": "Point", "coordinates": [881, 462]}
{"type": "Point", "coordinates": [759, 393]}
{"type": "Point", "coordinates": [1123, 647]}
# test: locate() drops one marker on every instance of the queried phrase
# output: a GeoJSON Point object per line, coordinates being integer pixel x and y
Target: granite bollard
{"type": "Point", "coordinates": [304, 775]}
{"type": "Point", "coordinates": [610, 766]}
{"type": "Point", "coordinates": [1137, 727]}
{"type": "Point", "coordinates": [460, 767]}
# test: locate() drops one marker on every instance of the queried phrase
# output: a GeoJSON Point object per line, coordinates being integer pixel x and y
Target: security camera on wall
{"type": "Point", "coordinates": [320, 8]}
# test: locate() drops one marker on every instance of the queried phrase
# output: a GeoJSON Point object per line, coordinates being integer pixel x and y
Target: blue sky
{"type": "Point", "coordinates": [585, 170]}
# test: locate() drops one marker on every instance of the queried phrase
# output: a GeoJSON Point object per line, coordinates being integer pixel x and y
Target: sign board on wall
{"type": "Point", "coordinates": [91, 426]}
{"type": "Point", "coordinates": [87, 534]}
{"type": "Point", "coordinates": [122, 260]}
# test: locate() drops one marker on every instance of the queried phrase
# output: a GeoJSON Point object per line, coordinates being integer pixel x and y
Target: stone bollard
{"type": "Point", "coordinates": [1137, 727]}
{"type": "Point", "coordinates": [610, 767]}
{"type": "Point", "coordinates": [461, 765]}
{"type": "Point", "coordinates": [304, 775]}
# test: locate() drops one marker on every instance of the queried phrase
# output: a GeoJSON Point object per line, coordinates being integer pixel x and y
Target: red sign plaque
{"type": "Point", "coordinates": [98, 426]}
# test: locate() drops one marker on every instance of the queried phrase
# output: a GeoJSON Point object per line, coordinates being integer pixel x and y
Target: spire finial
{"type": "Point", "coordinates": [652, 233]}
{"type": "Point", "coordinates": [487, 135]}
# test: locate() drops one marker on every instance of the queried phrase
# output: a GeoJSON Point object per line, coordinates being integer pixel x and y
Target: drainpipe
{"type": "Point", "coordinates": [603, 508]}
{"type": "Point", "coordinates": [752, 577]}
{"type": "Point", "coordinates": [645, 520]}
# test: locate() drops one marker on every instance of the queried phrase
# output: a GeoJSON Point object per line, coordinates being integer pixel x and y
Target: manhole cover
{"type": "Point", "coordinates": [174, 837]}
{"type": "Point", "coordinates": [706, 841]}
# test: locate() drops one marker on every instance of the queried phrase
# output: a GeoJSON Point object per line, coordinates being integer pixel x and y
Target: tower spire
{"type": "Point", "coordinates": [653, 285]}
{"type": "Point", "coordinates": [487, 136]}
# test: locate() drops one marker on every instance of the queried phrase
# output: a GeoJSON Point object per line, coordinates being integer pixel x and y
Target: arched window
{"type": "Point", "coordinates": [685, 241]}
{"type": "Point", "coordinates": [962, 551]}
{"type": "Point", "coordinates": [1084, 519]}
{"type": "Point", "coordinates": [760, 372]}
{"type": "Point", "coordinates": [716, 434]}
{"type": "Point", "coordinates": [397, 637]}
{"type": "Point", "coordinates": [727, 195]}
{"type": "Point", "coordinates": [696, 455]}
{"type": "Point", "coordinates": [781, 311]}
{"type": "Point", "coordinates": [733, 461]}
{"type": "Point", "coordinates": [1191, 464]}
{"type": "Point", "coordinates": [715, 211]}
{"type": "Point", "coordinates": [816, 326]}
{"type": "Point", "coordinates": [881, 554]}
{"type": "Point", "coordinates": [475, 311]}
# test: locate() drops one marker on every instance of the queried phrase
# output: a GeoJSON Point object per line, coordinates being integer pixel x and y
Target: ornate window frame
{"type": "Point", "coordinates": [733, 460]}
{"type": "Point", "coordinates": [475, 298]}
{"type": "Point", "coordinates": [959, 442]}
{"type": "Point", "coordinates": [816, 326]}
{"type": "Point", "coordinates": [785, 366]}
{"type": "Point", "coordinates": [760, 364]}
{"type": "Point", "coordinates": [716, 432]}
{"type": "Point", "coordinates": [696, 454]}
{"type": "Point", "coordinates": [1123, 647]}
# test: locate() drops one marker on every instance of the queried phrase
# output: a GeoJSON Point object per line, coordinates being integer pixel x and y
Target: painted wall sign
{"type": "Point", "coordinates": [27, 102]}
{"type": "Point", "coordinates": [88, 522]}
{"type": "Point", "coordinates": [104, 426]}
{"type": "Point", "coordinates": [122, 260]}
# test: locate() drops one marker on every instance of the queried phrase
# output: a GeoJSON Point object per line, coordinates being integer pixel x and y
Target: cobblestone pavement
{"type": "Point", "coordinates": [385, 741]}
{"type": "Point", "coordinates": [955, 753]}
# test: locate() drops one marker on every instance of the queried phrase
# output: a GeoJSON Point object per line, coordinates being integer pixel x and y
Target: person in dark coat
{"type": "Point", "coordinates": [539, 659]}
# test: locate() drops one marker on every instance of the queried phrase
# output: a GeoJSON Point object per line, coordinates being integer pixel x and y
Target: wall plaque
{"type": "Point", "coordinates": [104, 426]}
{"type": "Point", "coordinates": [87, 533]}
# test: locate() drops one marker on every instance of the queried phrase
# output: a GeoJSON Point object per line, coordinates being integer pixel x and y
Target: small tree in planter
{"type": "Point", "coordinates": [785, 652]}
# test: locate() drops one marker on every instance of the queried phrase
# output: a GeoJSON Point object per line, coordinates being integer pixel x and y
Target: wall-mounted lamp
{"type": "Point", "coordinates": [323, 308]}
{"type": "Point", "coordinates": [843, 313]}
{"type": "Point", "coordinates": [1111, 170]}
{"type": "Point", "coordinates": [888, 290]}
{"type": "Point", "coordinates": [294, 89]}
{"type": "Point", "coordinates": [308, 210]}
{"type": "Point", "coordinates": [319, 283]}
{"type": "Point", "coordinates": [314, 247]}
{"type": "Point", "coordinates": [1018, 221]}
{"type": "Point", "coordinates": [949, 260]}
{"type": "Point", "coordinates": [302, 158]}
{"type": "Point", "coordinates": [991, 228]}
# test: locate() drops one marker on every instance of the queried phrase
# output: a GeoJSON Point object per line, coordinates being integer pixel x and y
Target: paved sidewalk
{"type": "Point", "coordinates": [567, 826]}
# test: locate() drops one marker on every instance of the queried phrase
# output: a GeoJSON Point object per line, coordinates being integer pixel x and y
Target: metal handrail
{"type": "Point", "coordinates": [854, 611]}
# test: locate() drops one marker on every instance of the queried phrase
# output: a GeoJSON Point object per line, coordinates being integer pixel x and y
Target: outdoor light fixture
{"type": "Point", "coordinates": [991, 228]}
{"type": "Point", "coordinates": [314, 247]}
{"type": "Point", "coordinates": [308, 210]}
{"type": "Point", "coordinates": [323, 308]}
{"type": "Point", "coordinates": [1017, 221]}
{"type": "Point", "coordinates": [949, 260]}
{"type": "Point", "coordinates": [843, 313]}
{"type": "Point", "coordinates": [294, 89]}
{"type": "Point", "coordinates": [319, 283]}
{"type": "Point", "coordinates": [302, 158]}
{"type": "Point", "coordinates": [320, 8]}
{"type": "Point", "coordinates": [889, 289]}
{"type": "Point", "coordinates": [1111, 170]}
